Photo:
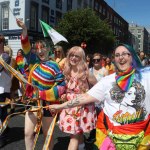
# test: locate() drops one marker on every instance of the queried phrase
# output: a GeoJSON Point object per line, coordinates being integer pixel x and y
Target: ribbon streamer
{"type": "Point", "coordinates": [49, 134]}
{"type": "Point", "coordinates": [38, 109]}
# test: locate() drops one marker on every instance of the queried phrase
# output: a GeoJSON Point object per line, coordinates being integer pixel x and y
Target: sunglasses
{"type": "Point", "coordinates": [96, 60]}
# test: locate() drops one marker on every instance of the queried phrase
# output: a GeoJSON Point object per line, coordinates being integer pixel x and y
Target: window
{"type": "Point", "coordinates": [108, 14]}
{"type": "Point", "coordinates": [85, 4]}
{"type": "Point", "coordinates": [58, 16]}
{"type": "Point", "coordinates": [96, 6]}
{"type": "Point", "coordinates": [139, 30]}
{"type": "Point", "coordinates": [79, 3]}
{"type": "Point", "coordinates": [52, 12]}
{"type": "Point", "coordinates": [59, 4]}
{"type": "Point", "coordinates": [100, 8]}
{"type": "Point", "coordinates": [45, 14]}
{"type": "Point", "coordinates": [5, 17]}
{"type": "Point", "coordinates": [34, 16]}
{"type": "Point", "coordinates": [69, 5]}
{"type": "Point", "coordinates": [90, 3]}
{"type": "Point", "coordinates": [139, 36]}
{"type": "Point", "coordinates": [45, 1]}
{"type": "Point", "coordinates": [52, 19]}
{"type": "Point", "coordinates": [104, 11]}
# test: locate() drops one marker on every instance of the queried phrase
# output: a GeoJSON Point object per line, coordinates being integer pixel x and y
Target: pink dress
{"type": "Point", "coordinates": [78, 119]}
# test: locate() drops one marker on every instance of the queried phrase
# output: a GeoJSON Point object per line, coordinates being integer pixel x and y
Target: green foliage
{"type": "Point", "coordinates": [84, 25]}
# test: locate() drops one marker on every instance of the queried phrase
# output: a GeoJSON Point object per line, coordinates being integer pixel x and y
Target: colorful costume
{"type": "Point", "coordinates": [22, 65]}
{"type": "Point", "coordinates": [126, 113]}
{"type": "Point", "coordinates": [110, 68]}
{"type": "Point", "coordinates": [78, 119]}
{"type": "Point", "coordinates": [46, 76]}
{"type": "Point", "coordinates": [29, 54]}
{"type": "Point", "coordinates": [61, 62]}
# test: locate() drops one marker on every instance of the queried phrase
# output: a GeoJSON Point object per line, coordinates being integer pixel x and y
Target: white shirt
{"type": "Point", "coordinates": [124, 107]}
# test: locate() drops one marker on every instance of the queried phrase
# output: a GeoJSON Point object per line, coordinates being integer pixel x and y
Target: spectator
{"type": "Point", "coordinates": [109, 65]}
{"type": "Point", "coordinates": [89, 60]}
{"type": "Point", "coordinates": [5, 85]}
{"type": "Point", "coordinates": [15, 82]}
{"type": "Point", "coordinates": [143, 58]}
{"type": "Point", "coordinates": [59, 56]}
{"type": "Point", "coordinates": [98, 70]}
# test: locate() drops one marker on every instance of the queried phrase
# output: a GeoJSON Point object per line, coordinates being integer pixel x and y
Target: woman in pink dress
{"type": "Point", "coordinates": [79, 119]}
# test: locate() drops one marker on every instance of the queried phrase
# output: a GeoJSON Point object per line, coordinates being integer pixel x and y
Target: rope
{"type": "Point", "coordinates": [49, 134]}
{"type": "Point", "coordinates": [38, 109]}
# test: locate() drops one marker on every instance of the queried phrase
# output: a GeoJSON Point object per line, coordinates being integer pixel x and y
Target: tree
{"type": "Point", "coordinates": [84, 25]}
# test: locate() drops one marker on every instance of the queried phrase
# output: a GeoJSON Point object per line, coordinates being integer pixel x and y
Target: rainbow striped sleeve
{"type": "Point", "coordinates": [58, 87]}
{"type": "Point", "coordinates": [25, 44]}
{"type": "Point", "coordinates": [56, 91]}
{"type": "Point", "coordinates": [30, 57]}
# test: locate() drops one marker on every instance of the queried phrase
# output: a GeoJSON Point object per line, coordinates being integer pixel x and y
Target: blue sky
{"type": "Point", "coordinates": [136, 11]}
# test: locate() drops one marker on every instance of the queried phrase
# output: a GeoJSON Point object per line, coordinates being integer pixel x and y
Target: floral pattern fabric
{"type": "Point", "coordinates": [78, 119]}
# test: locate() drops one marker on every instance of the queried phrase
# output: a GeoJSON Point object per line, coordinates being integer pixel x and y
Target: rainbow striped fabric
{"type": "Point", "coordinates": [20, 61]}
{"type": "Point", "coordinates": [47, 76]}
{"type": "Point", "coordinates": [29, 55]}
{"type": "Point", "coordinates": [125, 79]}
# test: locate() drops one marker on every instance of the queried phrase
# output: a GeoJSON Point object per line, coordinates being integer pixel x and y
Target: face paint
{"type": "Point", "coordinates": [42, 52]}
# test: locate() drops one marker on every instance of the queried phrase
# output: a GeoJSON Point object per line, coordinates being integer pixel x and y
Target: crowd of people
{"type": "Point", "coordinates": [105, 96]}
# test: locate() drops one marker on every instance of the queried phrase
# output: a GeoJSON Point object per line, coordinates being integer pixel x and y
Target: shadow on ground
{"type": "Point", "coordinates": [62, 143]}
{"type": "Point", "coordinates": [19, 134]}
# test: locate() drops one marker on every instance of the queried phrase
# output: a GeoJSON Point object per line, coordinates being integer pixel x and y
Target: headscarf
{"type": "Point", "coordinates": [124, 79]}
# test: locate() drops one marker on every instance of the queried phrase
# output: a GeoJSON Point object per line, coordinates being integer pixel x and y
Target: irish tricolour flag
{"type": "Point", "coordinates": [49, 31]}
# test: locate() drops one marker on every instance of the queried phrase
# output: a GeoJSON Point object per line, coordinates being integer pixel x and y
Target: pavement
{"type": "Point", "coordinates": [15, 140]}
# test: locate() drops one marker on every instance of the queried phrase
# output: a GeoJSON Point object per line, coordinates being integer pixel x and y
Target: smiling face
{"type": "Point", "coordinates": [96, 61]}
{"type": "Point", "coordinates": [74, 58]}
{"type": "Point", "coordinates": [42, 52]}
{"type": "Point", "coordinates": [123, 58]}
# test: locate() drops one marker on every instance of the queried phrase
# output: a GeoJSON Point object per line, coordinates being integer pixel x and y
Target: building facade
{"type": "Point", "coordinates": [118, 25]}
{"type": "Point", "coordinates": [51, 11]}
{"type": "Point", "coordinates": [139, 38]}
{"type": "Point", "coordinates": [30, 11]}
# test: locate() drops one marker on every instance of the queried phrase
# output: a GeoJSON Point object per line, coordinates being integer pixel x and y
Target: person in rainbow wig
{"type": "Point", "coordinates": [49, 80]}
{"type": "Point", "coordinates": [124, 122]}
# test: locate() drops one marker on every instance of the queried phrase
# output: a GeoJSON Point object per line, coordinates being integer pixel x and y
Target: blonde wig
{"type": "Point", "coordinates": [82, 66]}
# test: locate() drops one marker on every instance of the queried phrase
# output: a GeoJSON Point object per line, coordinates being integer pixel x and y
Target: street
{"type": "Point", "coordinates": [16, 136]}
{"type": "Point", "coordinates": [16, 141]}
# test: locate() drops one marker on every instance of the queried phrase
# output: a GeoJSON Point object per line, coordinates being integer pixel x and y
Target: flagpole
{"type": "Point", "coordinates": [12, 12]}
